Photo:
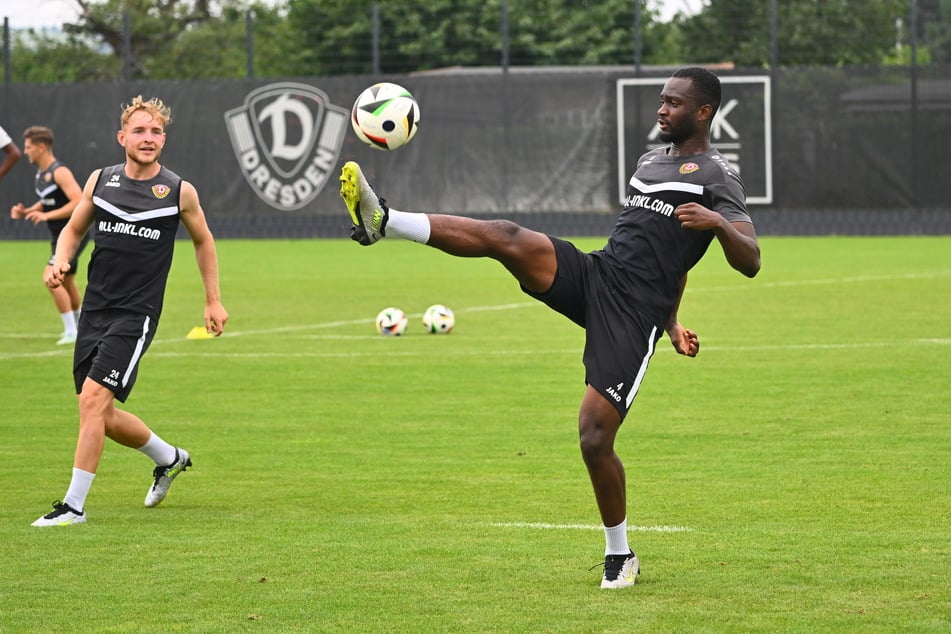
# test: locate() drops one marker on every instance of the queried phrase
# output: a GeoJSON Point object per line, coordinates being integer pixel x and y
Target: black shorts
{"type": "Point", "coordinates": [74, 263]}
{"type": "Point", "coordinates": [109, 346]}
{"type": "Point", "coordinates": [619, 341]}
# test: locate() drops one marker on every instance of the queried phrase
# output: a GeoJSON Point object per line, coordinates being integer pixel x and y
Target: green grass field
{"type": "Point", "coordinates": [792, 478]}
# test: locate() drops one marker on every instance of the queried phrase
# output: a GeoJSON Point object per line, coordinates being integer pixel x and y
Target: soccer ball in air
{"type": "Point", "coordinates": [385, 116]}
{"type": "Point", "coordinates": [391, 322]}
{"type": "Point", "coordinates": [438, 320]}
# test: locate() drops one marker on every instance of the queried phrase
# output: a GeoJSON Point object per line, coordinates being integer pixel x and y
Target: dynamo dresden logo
{"type": "Point", "coordinates": [287, 138]}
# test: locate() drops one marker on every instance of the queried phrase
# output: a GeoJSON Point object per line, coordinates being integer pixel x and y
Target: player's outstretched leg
{"type": "Point", "coordinates": [368, 212]}
{"type": "Point", "coordinates": [164, 477]}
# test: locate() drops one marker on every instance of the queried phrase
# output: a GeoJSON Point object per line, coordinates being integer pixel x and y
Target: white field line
{"type": "Point", "coordinates": [390, 353]}
{"type": "Point", "coordinates": [356, 322]}
{"type": "Point", "coordinates": [756, 285]}
{"type": "Point", "coordinates": [591, 527]}
{"type": "Point", "coordinates": [198, 354]}
{"type": "Point", "coordinates": [67, 351]}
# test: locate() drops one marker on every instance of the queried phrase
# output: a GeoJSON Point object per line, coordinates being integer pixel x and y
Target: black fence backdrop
{"type": "Point", "coordinates": [854, 150]}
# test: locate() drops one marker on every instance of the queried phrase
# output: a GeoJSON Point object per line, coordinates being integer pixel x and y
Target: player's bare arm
{"type": "Point", "coordinates": [69, 238]}
{"type": "Point", "coordinates": [11, 156]}
{"type": "Point", "coordinates": [194, 220]}
{"type": "Point", "coordinates": [737, 239]}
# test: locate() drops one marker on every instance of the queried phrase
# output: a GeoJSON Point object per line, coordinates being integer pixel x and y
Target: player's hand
{"type": "Point", "coordinates": [16, 211]}
{"type": "Point", "coordinates": [685, 341]}
{"type": "Point", "coordinates": [215, 318]}
{"type": "Point", "coordinates": [696, 216]}
{"type": "Point", "coordinates": [55, 274]}
{"type": "Point", "coordinates": [36, 217]}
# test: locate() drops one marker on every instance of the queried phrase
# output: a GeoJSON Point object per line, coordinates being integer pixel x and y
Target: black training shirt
{"type": "Point", "coordinates": [135, 223]}
{"type": "Point", "coordinates": [648, 252]}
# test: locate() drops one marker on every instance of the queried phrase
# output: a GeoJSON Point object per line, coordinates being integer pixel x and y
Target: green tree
{"type": "Point", "coordinates": [217, 48]}
{"type": "Point", "coordinates": [175, 39]}
{"type": "Point", "coordinates": [333, 38]}
{"type": "Point", "coordinates": [934, 19]}
{"type": "Point", "coordinates": [206, 39]}
{"type": "Point", "coordinates": [37, 58]}
{"type": "Point", "coordinates": [810, 32]}
{"type": "Point", "coordinates": [592, 33]}
{"type": "Point", "coordinates": [153, 25]}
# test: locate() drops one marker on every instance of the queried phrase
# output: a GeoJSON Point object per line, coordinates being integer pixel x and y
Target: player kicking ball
{"type": "Point", "coordinates": [626, 295]}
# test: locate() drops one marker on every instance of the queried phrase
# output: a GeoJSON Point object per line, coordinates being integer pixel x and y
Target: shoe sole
{"type": "Point", "coordinates": [350, 191]}
{"type": "Point", "coordinates": [72, 522]}
{"type": "Point", "coordinates": [620, 583]}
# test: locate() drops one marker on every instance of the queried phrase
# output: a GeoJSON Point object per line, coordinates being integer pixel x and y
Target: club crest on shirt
{"type": "Point", "coordinates": [689, 168]}
{"type": "Point", "coordinates": [160, 191]}
{"type": "Point", "coordinates": [47, 177]}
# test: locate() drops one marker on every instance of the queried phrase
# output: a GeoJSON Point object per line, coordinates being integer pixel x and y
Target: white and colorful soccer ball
{"type": "Point", "coordinates": [385, 116]}
{"type": "Point", "coordinates": [391, 322]}
{"type": "Point", "coordinates": [438, 320]}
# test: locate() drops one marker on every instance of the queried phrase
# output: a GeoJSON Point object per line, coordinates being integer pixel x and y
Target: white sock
{"type": "Point", "coordinates": [69, 322]}
{"type": "Point", "coordinates": [407, 225]}
{"type": "Point", "coordinates": [159, 451]}
{"type": "Point", "coordinates": [615, 539]}
{"type": "Point", "coordinates": [79, 489]}
{"type": "Point", "coordinates": [76, 314]}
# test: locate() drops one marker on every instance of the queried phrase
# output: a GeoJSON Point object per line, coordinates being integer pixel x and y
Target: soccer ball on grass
{"type": "Point", "coordinates": [438, 320]}
{"type": "Point", "coordinates": [391, 322]}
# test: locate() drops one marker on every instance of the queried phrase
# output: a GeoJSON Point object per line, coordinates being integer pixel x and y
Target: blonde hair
{"type": "Point", "coordinates": [153, 106]}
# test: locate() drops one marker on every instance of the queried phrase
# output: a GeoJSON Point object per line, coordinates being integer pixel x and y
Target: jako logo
{"type": "Point", "coordinates": [613, 391]}
{"type": "Point", "coordinates": [287, 138]}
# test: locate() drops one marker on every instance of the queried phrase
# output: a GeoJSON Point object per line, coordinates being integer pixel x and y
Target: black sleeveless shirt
{"type": "Point", "coordinates": [51, 196]}
{"type": "Point", "coordinates": [135, 223]}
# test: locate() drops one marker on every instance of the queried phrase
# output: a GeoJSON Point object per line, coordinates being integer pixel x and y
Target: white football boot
{"type": "Point", "coordinates": [61, 515]}
{"type": "Point", "coordinates": [164, 476]}
{"type": "Point", "coordinates": [620, 571]}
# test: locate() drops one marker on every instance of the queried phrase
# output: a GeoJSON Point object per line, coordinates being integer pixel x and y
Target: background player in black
{"type": "Point", "coordinates": [136, 208]}
{"type": "Point", "coordinates": [58, 194]}
{"type": "Point", "coordinates": [625, 295]}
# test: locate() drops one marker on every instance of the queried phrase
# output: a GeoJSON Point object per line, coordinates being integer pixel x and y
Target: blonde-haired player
{"type": "Point", "coordinates": [136, 207]}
